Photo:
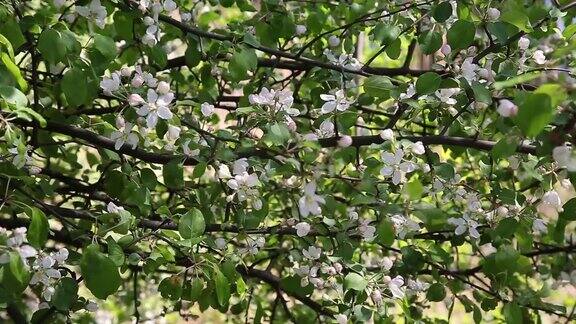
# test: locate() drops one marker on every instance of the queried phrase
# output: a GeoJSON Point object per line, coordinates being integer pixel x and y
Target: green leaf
{"type": "Point", "coordinates": [52, 46]}
{"type": "Point", "coordinates": [523, 78]}
{"type": "Point", "coordinates": [38, 230]}
{"type": "Point", "coordinates": [65, 295]}
{"type": "Point", "coordinates": [196, 288]}
{"type": "Point", "coordinates": [171, 287]}
{"type": "Point", "coordinates": [394, 49]}
{"type": "Point", "coordinates": [513, 313]}
{"type": "Point", "coordinates": [414, 189]}
{"type": "Point", "coordinates": [158, 56]}
{"type": "Point", "coordinates": [14, 70]}
{"type": "Point", "coordinates": [436, 292]}
{"type": "Point", "coordinates": [355, 281]}
{"type": "Point", "coordinates": [279, 133]}
{"type": "Point", "coordinates": [481, 93]}
{"type": "Point", "coordinates": [291, 285]}
{"type": "Point", "coordinates": [173, 173]}
{"type": "Point", "coordinates": [461, 34]}
{"type": "Point", "coordinates": [556, 92]}
{"type": "Point", "coordinates": [442, 11]}
{"type": "Point", "coordinates": [504, 148]}
{"type": "Point", "coordinates": [100, 273]}
{"type": "Point", "coordinates": [222, 287]}
{"type": "Point", "coordinates": [199, 170]}
{"type": "Point", "coordinates": [192, 224]}
{"type": "Point", "coordinates": [242, 62]}
{"type": "Point", "coordinates": [14, 278]}
{"type": "Point", "coordinates": [386, 33]}
{"type": "Point", "coordinates": [534, 114]}
{"type": "Point", "coordinates": [514, 13]}
{"type": "Point", "coordinates": [75, 86]}
{"type": "Point", "coordinates": [569, 212]}
{"type": "Point", "coordinates": [430, 42]}
{"type": "Point", "coordinates": [193, 55]}
{"type": "Point", "coordinates": [428, 82]}
{"type": "Point", "coordinates": [13, 96]}
{"type": "Point", "coordinates": [385, 232]}
{"type": "Point", "coordinates": [105, 45]}
{"type": "Point", "coordinates": [11, 29]}
{"type": "Point", "coordinates": [115, 252]}
{"type": "Point", "coordinates": [378, 86]}
{"type": "Point", "coordinates": [569, 32]}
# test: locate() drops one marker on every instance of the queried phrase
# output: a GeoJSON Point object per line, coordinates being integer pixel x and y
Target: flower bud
{"type": "Point", "coordinates": [137, 81]}
{"type": "Point", "coordinates": [163, 87]}
{"type": "Point", "coordinates": [387, 134]}
{"type": "Point", "coordinates": [345, 141]}
{"type": "Point", "coordinates": [523, 43]}
{"type": "Point", "coordinates": [333, 41]}
{"type": "Point", "coordinates": [120, 122]}
{"type": "Point", "coordinates": [507, 108]}
{"type": "Point", "coordinates": [125, 72]}
{"type": "Point", "coordinates": [135, 100]}
{"type": "Point", "coordinates": [300, 30]}
{"type": "Point", "coordinates": [446, 49]}
{"type": "Point", "coordinates": [493, 14]}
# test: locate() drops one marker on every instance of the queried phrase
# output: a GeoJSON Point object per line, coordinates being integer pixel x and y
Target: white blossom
{"type": "Point", "coordinates": [163, 87]}
{"type": "Point", "coordinates": [337, 101]}
{"type": "Point", "coordinates": [396, 286]}
{"type": "Point", "coordinates": [186, 16]}
{"type": "Point", "coordinates": [445, 95]}
{"type": "Point", "coordinates": [207, 109]}
{"type": "Point", "coordinates": [173, 133]}
{"type": "Point", "coordinates": [539, 226]}
{"type": "Point", "coordinates": [124, 136]}
{"type": "Point", "coordinates": [366, 230]}
{"type": "Point", "coordinates": [385, 263]}
{"type": "Point", "coordinates": [404, 225]}
{"type": "Point", "coordinates": [539, 57]}
{"type": "Point", "coordinates": [565, 157]}
{"type": "Point", "coordinates": [344, 60]}
{"type": "Point", "coordinates": [112, 208]}
{"type": "Point", "coordinates": [302, 229]}
{"type": "Point", "coordinates": [465, 224]}
{"type": "Point", "coordinates": [156, 107]}
{"type": "Point", "coordinates": [243, 184]}
{"type": "Point", "coordinates": [341, 319]}
{"type": "Point", "coordinates": [376, 296]}
{"type": "Point", "coordinates": [469, 69]}
{"type": "Point", "coordinates": [252, 245]}
{"type": "Point", "coordinates": [224, 172]}
{"type": "Point", "coordinates": [94, 11]}
{"type": "Point", "coordinates": [395, 167]}
{"type": "Point", "coordinates": [220, 243]}
{"type": "Point", "coordinates": [91, 306]}
{"type": "Point", "coordinates": [310, 202]}
{"type": "Point", "coordinates": [551, 204]}
{"type": "Point", "coordinates": [279, 101]}
{"type": "Point", "coordinates": [111, 84]}
{"type": "Point", "coordinates": [410, 92]}
{"type": "Point", "coordinates": [187, 151]}
{"type": "Point", "coordinates": [312, 253]}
